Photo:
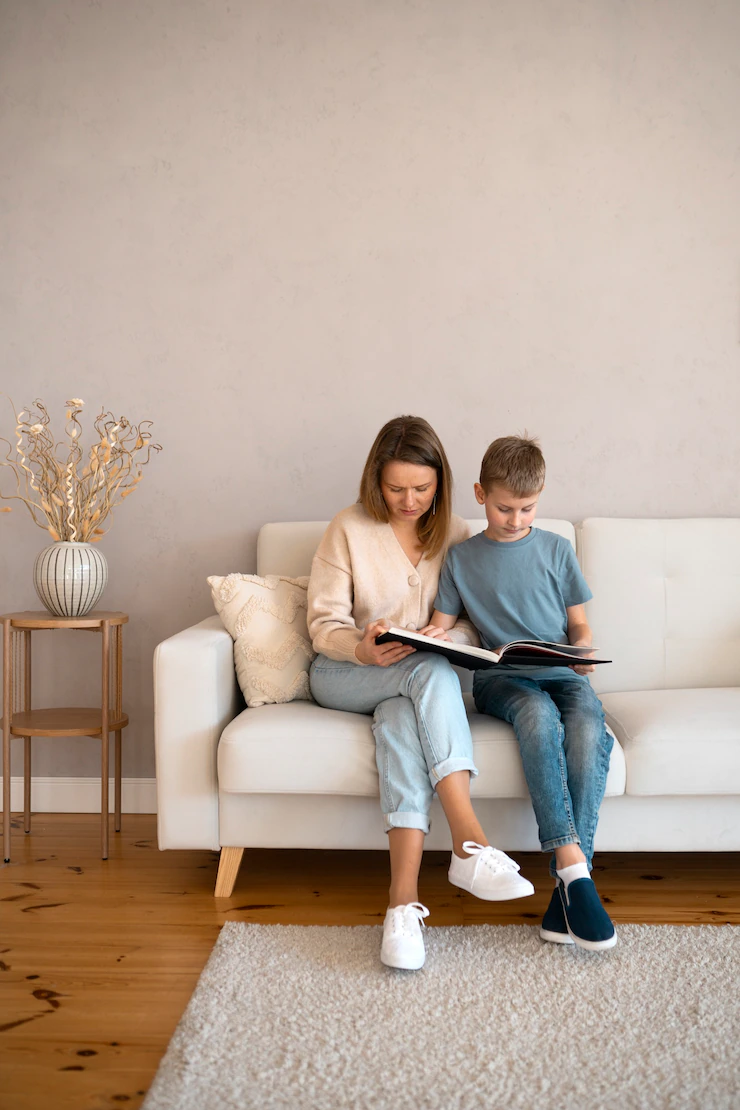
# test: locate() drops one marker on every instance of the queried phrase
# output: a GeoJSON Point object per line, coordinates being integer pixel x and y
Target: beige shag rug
{"type": "Point", "coordinates": [307, 1018]}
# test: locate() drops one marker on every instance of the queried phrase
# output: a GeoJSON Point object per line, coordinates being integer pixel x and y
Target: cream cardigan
{"type": "Point", "coordinates": [360, 573]}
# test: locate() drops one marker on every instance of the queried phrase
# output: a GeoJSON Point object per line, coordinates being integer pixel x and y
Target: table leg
{"type": "Point", "coordinates": [27, 784]}
{"type": "Point", "coordinates": [117, 800]}
{"type": "Point", "coordinates": [104, 739]}
{"type": "Point", "coordinates": [27, 739]}
{"type": "Point", "coordinates": [7, 713]}
{"type": "Point", "coordinates": [119, 710]}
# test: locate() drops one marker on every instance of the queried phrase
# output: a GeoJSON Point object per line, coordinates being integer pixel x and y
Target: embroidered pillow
{"type": "Point", "coordinates": [267, 620]}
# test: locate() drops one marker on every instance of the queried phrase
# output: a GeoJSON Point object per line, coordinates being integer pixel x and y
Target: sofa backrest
{"type": "Point", "coordinates": [666, 605]}
{"type": "Point", "coordinates": [289, 548]}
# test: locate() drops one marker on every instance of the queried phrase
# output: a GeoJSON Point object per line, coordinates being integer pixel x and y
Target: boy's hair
{"type": "Point", "coordinates": [516, 463]}
{"type": "Point", "coordinates": [410, 439]}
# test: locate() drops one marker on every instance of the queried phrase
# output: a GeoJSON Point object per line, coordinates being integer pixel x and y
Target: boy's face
{"type": "Point", "coordinates": [509, 517]}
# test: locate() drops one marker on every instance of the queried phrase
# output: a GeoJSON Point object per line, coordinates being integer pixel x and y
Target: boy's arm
{"type": "Point", "coordinates": [448, 598]}
{"type": "Point", "coordinates": [439, 625]}
{"type": "Point", "coordinates": [579, 634]}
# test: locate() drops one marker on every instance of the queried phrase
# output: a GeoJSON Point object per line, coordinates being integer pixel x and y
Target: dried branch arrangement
{"type": "Point", "coordinates": [71, 498]}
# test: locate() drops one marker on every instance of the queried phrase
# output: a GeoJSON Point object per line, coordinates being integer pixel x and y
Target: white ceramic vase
{"type": "Point", "coordinates": [70, 577]}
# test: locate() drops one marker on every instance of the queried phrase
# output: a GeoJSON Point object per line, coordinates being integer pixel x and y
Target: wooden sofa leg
{"type": "Point", "coordinates": [228, 869]}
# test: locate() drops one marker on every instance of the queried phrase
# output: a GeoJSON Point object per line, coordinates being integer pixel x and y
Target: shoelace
{"type": "Point", "coordinates": [400, 915]}
{"type": "Point", "coordinates": [489, 857]}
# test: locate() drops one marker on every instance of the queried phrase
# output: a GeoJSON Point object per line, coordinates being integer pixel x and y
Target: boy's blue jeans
{"type": "Point", "coordinates": [565, 749]}
{"type": "Point", "coordinates": [419, 722]}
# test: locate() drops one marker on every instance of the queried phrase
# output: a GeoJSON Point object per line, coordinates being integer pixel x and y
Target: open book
{"type": "Point", "coordinates": [528, 653]}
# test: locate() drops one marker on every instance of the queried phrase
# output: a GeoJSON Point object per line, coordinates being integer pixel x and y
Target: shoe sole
{"type": "Point", "coordinates": [407, 966]}
{"type": "Point", "coordinates": [556, 938]}
{"type": "Point", "coordinates": [593, 945]}
{"type": "Point", "coordinates": [502, 895]}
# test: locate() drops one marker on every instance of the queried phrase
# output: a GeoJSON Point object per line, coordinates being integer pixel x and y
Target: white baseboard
{"type": "Point", "coordinates": [64, 795]}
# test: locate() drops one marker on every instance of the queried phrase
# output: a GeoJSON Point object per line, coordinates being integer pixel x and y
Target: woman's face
{"type": "Point", "coordinates": [408, 490]}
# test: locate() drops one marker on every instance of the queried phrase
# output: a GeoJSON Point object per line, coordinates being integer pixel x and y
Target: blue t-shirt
{"type": "Point", "coordinates": [514, 591]}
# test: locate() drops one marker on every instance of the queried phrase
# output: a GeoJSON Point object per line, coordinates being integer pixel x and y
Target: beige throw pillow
{"type": "Point", "coordinates": [267, 620]}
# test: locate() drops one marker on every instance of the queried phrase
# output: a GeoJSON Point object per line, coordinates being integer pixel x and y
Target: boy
{"type": "Point", "coordinates": [518, 582]}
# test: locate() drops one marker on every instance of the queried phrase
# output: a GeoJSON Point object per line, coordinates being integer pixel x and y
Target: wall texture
{"type": "Point", "coordinates": [270, 226]}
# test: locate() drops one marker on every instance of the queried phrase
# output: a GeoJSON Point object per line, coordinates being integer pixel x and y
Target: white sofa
{"type": "Point", "coordinates": [666, 610]}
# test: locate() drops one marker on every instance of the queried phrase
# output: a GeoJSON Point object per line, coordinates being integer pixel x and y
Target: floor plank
{"type": "Point", "coordinates": [99, 958]}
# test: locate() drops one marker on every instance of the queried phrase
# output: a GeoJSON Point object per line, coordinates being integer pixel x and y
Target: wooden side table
{"type": "Point", "coordinates": [19, 719]}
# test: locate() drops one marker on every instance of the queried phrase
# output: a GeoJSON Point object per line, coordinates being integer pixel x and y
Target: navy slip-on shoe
{"type": "Point", "coordinates": [586, 920]}
{"type": "Point", "coordinates": [554, 927]}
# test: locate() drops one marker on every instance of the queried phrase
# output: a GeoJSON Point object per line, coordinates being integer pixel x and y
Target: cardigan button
{"type": "Point", "coordinates": [413, 580]}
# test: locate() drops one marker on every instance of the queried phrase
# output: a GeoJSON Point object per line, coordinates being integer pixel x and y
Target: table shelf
{"type": "Point", "coordinates": [64, 722]}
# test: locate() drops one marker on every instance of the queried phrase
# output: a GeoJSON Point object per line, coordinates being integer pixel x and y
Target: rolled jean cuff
{"type": "Point", "coordinates": [448, 767]}
{"type": "Point", "coordinates": [400, 820]}
{"type": "Point", "coordinates": [559, 842]}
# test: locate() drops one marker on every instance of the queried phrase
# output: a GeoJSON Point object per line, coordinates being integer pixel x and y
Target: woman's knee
{"type": "Point", "coordinates": [396, 714]}
{"type": "Point", "coordinates": [433, 671]}
{"type": "Point", "coordinates": [426, 663]}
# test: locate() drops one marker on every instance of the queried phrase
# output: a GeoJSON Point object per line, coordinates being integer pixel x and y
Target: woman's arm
{"type": "Point", "coordinates": [331, 625]}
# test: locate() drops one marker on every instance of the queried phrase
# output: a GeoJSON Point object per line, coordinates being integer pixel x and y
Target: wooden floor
{"type": "Point", "coordinates": [98, 958]}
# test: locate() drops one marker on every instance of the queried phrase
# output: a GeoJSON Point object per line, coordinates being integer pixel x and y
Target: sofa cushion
{"type": "Point", "coordinates": [305, 749]}
{"type": "Point", "coordinates": [678, 741]}
{"type": "Point", "coordinates": [267, 619]}
{"type": "Point", "coordinates": [297, 749]}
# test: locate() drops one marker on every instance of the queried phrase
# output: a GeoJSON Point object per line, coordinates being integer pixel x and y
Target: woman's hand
{"type": "Point", "coordinates": [435, 632]}
{"type": "Point", "coordinates": [380, 655]}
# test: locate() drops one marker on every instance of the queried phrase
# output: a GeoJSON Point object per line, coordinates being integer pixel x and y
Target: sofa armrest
{"type": "Point", "coordinates": [195, 696]}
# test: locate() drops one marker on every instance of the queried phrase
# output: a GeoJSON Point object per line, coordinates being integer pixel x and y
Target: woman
{"type": "Point", "coordinates": [378, 565]}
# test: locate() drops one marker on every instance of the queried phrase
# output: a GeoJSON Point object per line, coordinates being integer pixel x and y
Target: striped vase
{"type": "Point", "coordinates": [70, 577]}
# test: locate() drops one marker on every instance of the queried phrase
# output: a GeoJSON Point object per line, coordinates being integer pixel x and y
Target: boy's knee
{"type": "Point", "coordinates": [536, 714]}
{"type": "Point", "coordinates": [592, 711]}
{"type": "Point", "coordinates": [586, 735]}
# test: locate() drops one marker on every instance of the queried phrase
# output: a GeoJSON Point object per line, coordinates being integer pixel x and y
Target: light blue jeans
{"type": "Point", "coordinates": [419, 722]}
{"type": "Point", "coordinates": [565, 749]}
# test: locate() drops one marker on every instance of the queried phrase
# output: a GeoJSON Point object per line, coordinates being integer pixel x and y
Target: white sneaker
{"type": "Point", "coordinates": [403, 945]}
{"type": "Point", "coordinates": [488, 873]}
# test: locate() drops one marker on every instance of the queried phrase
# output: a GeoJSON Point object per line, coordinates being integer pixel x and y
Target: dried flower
{"type": "Point", "coordinates": [68, 500]}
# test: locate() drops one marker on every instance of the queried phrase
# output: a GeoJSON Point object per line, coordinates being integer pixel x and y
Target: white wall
{"type": "Point", "coordinates": [270, 226]}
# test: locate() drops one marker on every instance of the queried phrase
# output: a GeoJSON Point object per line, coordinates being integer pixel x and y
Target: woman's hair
{"type": "Point", "coordinates": [410, 439]}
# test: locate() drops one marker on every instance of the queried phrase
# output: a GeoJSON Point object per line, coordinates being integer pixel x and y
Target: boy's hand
{"type": "Point", "coordinates": [583, 668]}
{"type": "Point", "coordinates": [435, 633]}
{"type": "Point", "coordinates": [380, 655]}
